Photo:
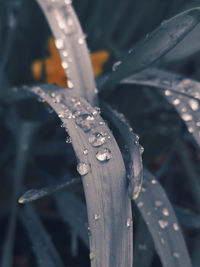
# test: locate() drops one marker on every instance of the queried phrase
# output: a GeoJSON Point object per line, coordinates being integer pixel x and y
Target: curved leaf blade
{"type": "Point", "coordinates": [70, 41]}
{"type": "Point", "coordinates": [162, 223]}
{"type": "Point", "coordinates": [182, 93]}
{"type": "Point", "coordinates": [108, 205]}
{"type": "Point", "coordinates": [155, 45]}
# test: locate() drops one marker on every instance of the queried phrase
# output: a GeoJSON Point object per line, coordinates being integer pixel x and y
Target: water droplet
{"type": "Point", "coordinates": [194, 104]}
{"type": "Point", "coordinates": [68, 140]}
{"type": "Point", "coordinates": [70, 84]}
{"type": "Point", "coordinates": [141, 149]}
{"type": "Point", "coordinates": [163, 224]}
{"type": "Point", "coordinates": [176, 101]}
{"type": "Point", "coordinates": [65, 54]}
{"type": "Point", "coordinates": [191, 129]}
{"type": "Point", "coordinates": [158, 203]}
{"type": "Point", "coordinates": [165, 212]}
{"type": "Point", "coordinates": [96, 139]}
{"type": "Point", "coordinates": [96, 111]}
{"type": "Point", "coordinates": [137, 137]}
{"type": "Point", "coordinates": [176, 254]}
{"type": "Point", "coordinates": [61, 115]}
{"type": "Point", "coordinates": [85, 121]}
{"type": "Point", "coordinates": [65, 65]}
{"type": "Point", "coordinates": [95, 90]}
{"type": "Point", "coordinates": [80, 40]}
{"type": "Point", "coordinates": [85, 151]}
{"type": "Point", "coordinates": [175, 226]}
{"type": "Point", "coordinates": [198, 124]}
{"type": "Point", "coordinates": [154, 181]}
{"type": "Point", "coordinates": [59, 43]}
{"type": "Point", "coordinates": [83, 168]}
{"type": "Point", "coordinates": [168, 92]}
{"type": "Point", "coordinates": [104, 154]}
{"type": "Point", "coordinates": [186, 117]}
{"type": "Point", "coordinates": [96, 217]}
{"type": "Point", "coordinates": [140, 204]}
{"type": "Point", "coordinates": [53, 94]}
{"type": "Point", "coordinates": [68, 2]}
{"type": "Point", "coordinates": [116, 65]}
{"type": "Point", "coordinates": [129, 222]}
{"type": "Point", "coordinates": [91, 256]}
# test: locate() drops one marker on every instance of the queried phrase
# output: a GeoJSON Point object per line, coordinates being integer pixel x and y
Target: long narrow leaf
{"type": "Point", "coordinates": [70, 41]}
{"type": "Point", "coordinates": [155, 45]}
{"type": "Point", "coordinates": [182, 93]}
{"type": "Point", "coordinates": [103, 176]}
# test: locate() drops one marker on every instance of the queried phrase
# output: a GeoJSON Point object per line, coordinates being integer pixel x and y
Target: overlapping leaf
{"type": "Point", "coordinates": [182, 93]}
{"type": "Point", "coordinates": [155, 45]}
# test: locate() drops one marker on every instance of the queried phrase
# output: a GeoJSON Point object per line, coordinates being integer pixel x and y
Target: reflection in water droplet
{"type": "Point", "coordinates": [176, 254]}
{"type": "Point", "coordinates": [65, 65]}
{"type": "Point", "coordinates": [163, 224]}
{"type": "Point", "coordinates": [97, 139]}
{"type": "Point", "coordinates": [194, 104]}
{"type": "Point", "coordinates": [59, 43]}
{"type": "Point", "coordinates": [81, 41]}
{"type": "Point", "coordinates": [186, 117]}
{"type": "Point", "coordinates": [83, 168]}
{"type": "Point", "coordinates": [85, 151]}
{"type": "Point", "coordinates": [68, 140]}
{"type": "Point", "coordinates": [167, 93]}
{"type": "Point", "coordinates": [96, 217]}
{"type": "Point", "coordinates": [70, 84]}
{"type": "Point", "coordinates": [104, 154]}
{"type": "Point", "coordinates": [129, 222]}
{"type": "Point", "coordinates": [165, 212]}
{"type": "Point", "coordinates": [116, 65]}
{"type": "Point", "coordinates": [176, 101]}
{"type": "Point", "coordinates": [85, 121]}
{"type": "Point", "coordinates": [175, 226]}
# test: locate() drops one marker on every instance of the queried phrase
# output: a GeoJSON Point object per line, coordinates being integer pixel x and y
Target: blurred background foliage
{"type": "Point", "coordinates": [28, 55]}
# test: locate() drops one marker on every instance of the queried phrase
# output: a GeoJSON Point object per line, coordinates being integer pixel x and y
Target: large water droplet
{"type": "Point", "coordinates": [96, 139]}
{"type": "Point", "coordinates": [194, 104]}
{"type": "Point", "coordinates": [104, 154]}
{"type": "Point", "coordinates": [176, 101]}
{"type": "Point", "coordinates": [168, 92]}
{"type": "Point", "coordinates": [85, 121]}
{"type": "Point", "coordinates": [83, 168]}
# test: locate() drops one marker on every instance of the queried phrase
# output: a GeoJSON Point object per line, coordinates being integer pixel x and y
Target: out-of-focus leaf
{"type": "Point", "coordinates": [34, 194]}
{"type": "Point", "coordinates": [72, 211]}
{"type": "Point", "coordinates": [70, 41]}
{"type": "Point", "coordinates": [43, 247]}
{"type": "Point", "coordinates": [187, 217]}
{"type": "Point", "coordinates": [26, 134]}
{"type": "Point", "coordinates": [155, 45]}
{"type": "Point", "coordinates": [182, 93]}
{"type": "Point", "coordinates": [103, 175]}
{"type": "Point", "coordinates": [162, 223]}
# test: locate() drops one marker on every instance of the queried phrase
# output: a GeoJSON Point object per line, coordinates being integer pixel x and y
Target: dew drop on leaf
{"type": "Point", "coordinates": [165, 212]}
{"type": "Point", "coordinates": [104, 154]}
{"type": "Point", "coordinates": [70, 84]}
{"type": "Point", "coordinates": [96, 217]}
{"type": "Point", "coordinates": [85, 121]}
{"type": "Point", "coordinates": [59, 43]}
{"type": "Point", "coordinates": [129, 222]}
{"type": "Point", "coordinates": [96, 139]}
{"type": "Point", "coordinates": [194, 104]}
{"type": "Point", "coordinates": [115, 65]}
{"type": "Point", "coordinates": [186, 117]}
{"type": "Point", "coordinates": [83, 168]}
{"type": "Point", "coordinates": [175, 226]}
{"type": "Point", "coordinates": [163, 224]}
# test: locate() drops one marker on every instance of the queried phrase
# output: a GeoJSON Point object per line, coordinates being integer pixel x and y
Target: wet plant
{"type": "Point", "coordinates": [126, 210]}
